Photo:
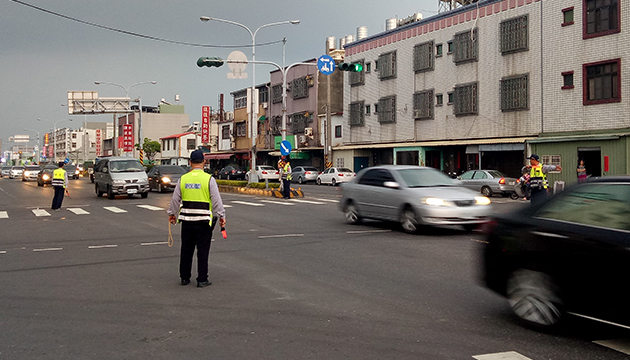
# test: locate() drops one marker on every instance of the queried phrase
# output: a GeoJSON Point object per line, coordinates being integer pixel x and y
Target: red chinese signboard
{"type": "Point", "coordinates": [205, 124]}
{"type": "Point", "coordinates": [99, 141]}
{"type": "Point", "coordinates": [128, 137]}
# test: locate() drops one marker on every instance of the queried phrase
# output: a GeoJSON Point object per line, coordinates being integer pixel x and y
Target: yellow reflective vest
{"type": "Point", "coordinates": [196, 201]}
{"type": "Point", "coordinates": [538, 179]}
{"type": "Point", "coordinates": [59, 178]}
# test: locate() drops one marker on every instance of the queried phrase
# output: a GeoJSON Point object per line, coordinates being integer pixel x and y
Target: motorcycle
{"type": "Point", "coordinates": [518, 192]}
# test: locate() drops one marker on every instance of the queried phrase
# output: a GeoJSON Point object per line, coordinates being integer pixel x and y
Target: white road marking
{"type": "Point", "coordinates": [277, 202]}
{"type": "Point", "coordinates": [307, 201]}
{"type": "Point", "coordinates": [279, 236]}
{"type": "Point", "coordinates": [366, 231]}
{"type": "Point", "coordinates": [48, 249]}
{"type": "Point", "coordinates": [227, 206]}
{"type": "Point", "coordinates": [3, 252]}
{"type": "Point", "coordinates": [621, 345]}
{"type": "Point", "coordinates": [247, 203]}
{"type": "Point", "coordinates": [78, 211]}
{"type": "Point", "coordinates": [4, 215]}
{"type": "Point", "coordinates": [154, 243]}
{"type": "Point", "coordinates": [101, 246]}
{"type": "Point", "coordinates": [114, 209]}
{"type": "Point", "coordinates": [151, 207]}
{"type": "Point", "coordinates": [509, 355]}
{"type": "Point", "coordinates": [40, 212]}
{"type": "Point", "coordinates": [329, 200]}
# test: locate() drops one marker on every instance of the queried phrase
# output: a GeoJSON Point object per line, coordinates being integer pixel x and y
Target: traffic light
{"type": "Point", "coordinates": [210, 61]}
{"type": "Point", "coordinates": [356, 67]}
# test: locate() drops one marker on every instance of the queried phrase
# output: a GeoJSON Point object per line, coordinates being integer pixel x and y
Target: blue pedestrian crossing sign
{"type": "Point", "coordinates": [326, 64]}
{"type": "Point", "coordinates": [285, 147]}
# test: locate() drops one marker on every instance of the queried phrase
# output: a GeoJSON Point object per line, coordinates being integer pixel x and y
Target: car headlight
{"type": "Point", "coordinates": [26, 173]}
{"type": "Point", "coordinates": [166, 180]}
{"type": "Point", "coordinates": [45, 177]}
{"type": "Point", "coordinates": [118, 182]}
{"type": "Point", "coordinates": [482, 200]}
{"type": "Point", "coordinates": [433, 201]}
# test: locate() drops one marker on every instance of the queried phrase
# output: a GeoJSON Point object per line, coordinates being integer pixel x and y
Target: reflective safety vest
{"type": "Point", "coordinates": [59, 178]}
{"type": "Point", "coordinates": [286, 172]}
{"type": "Point", "coordinates": [196, 201]}
{"type": "Point", "coordinates": [538, 179]}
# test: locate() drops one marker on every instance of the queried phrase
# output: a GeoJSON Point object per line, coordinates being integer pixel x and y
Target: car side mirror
{"type": "Point", "coordinates": [391, 185]}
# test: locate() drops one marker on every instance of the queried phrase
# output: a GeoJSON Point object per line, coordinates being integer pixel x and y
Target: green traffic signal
{"type": "Point", "coordinates": [356, 67]}
{"type": "Point", "coordinates": [210, 62]}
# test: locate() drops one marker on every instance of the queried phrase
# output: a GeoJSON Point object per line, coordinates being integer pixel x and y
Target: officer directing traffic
{"type": "Point", "coordinates": [59, 183]}
{"type": "Point", "coordinates": [195, 198]}
{"type": "Point", "coordinates": [538, 177]}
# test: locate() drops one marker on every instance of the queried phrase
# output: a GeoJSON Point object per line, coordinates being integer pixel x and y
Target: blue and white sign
{"type": "Point", "coordinates": [326, 64]}
{"type": "Point", "coordinates": [285, 147]}
{"type": "Point", "coordinates": [66, 160]}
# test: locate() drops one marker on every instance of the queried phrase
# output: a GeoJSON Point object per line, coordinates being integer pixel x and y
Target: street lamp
{"type": "Point", "coordinates": [54, 136]}
{"type": "Point", "coordinates": [254, 110]}
{"type": "Point", "coordinates": [39, 158]}
{"type": "Point", "coordinates": [139, 108]}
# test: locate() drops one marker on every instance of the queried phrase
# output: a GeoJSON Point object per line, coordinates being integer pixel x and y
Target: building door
{"type": "Point", "coordinates": [592, 157]}
{"type": "Point", "coordinates": [361, 162]}
{"type": "Point", "coordinates": [407, 158]}
{"type": "Point", "coordinates": [434, 159]}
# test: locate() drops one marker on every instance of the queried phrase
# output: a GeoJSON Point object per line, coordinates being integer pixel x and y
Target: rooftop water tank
{"type": "Point", "coordinates": [362, 32]}
{"type": "Point", "coordinates": [391, 24]}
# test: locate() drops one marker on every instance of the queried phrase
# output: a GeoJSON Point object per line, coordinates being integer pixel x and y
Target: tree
{"type": "Point", "coordinates": [150, 148]}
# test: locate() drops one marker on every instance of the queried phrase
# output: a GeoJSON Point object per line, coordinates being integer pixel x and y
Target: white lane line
{"type": "Point", "coordinates": [247, 203]}
{"type": "Point", "coordinates": [3, 252]}
{"type": "Point", "coordinates": [328, 200]}
{"type": "Point", "coordinates": [4, 215]}
{"type": "Point", "coordinates": [151, 207]}
{"type": "Point", "coordinates": [227, 206]}
{"type": "Point", "coordinates": [101, 246]}
{"type": "Point", "coordinates": [78, 211]}
{"type": "Point", "coordinates": [40, 212]}
{"type": "Point", "coordinates": [279, 236]}
{"type": "Point", "coordinates": [509, 355]}
{"type": "Point", "coordinates": [277, 202]}
{"type": "Point", "coordinates": [154, 243]}
{"type": "Point", "coordinates": [48, 249]}
{"type": "Point", "coordinates": [114, 209]}
{"type": "Point", "coordinates": [366, 231]}
{"type": "Point", "coordinates": [621, 345]}
{"type": "Point", "coordinates": [307, 201]}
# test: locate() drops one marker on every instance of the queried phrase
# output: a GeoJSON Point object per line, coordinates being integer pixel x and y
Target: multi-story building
{"type": "Point", "coordinates": [176, 149]}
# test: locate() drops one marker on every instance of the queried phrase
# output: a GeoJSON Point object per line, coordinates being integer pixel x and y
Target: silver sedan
{"type": "Point", "coordinates": [413, 196]}
{"type": "Point", "coordinates": [488, 182]}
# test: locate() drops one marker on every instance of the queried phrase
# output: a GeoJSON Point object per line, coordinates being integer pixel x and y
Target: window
{"type": "Point", "coordinates": [480, 175]}
{"type": "Point", "coordinates": [263, 94]}
{"type": "Point", "coordinates": [368, 67]}
{"type": "Point", "coordinates": [225, 132]}
{"type": "Point", "coordinates": [358, 78]}
{"type": "Point", "coordinates": [602, 83]}
{"type": "Point", "coordinates": [601, 17]}
{"type": "Point", "coordinates": [299, 88]}
{"type": "Point", "coordinates": [368, 109]}
{"type": "Point", "coordinates": [514, 35]}
{"type": "Point", "coordinates": [387, 110]}
{"type": "Point", "coordinates": [567, 80]}
{"type": "Point", "coordinates": [339, 162]}
{"type": "Point", "coordinates": [190, 144]}
{"type": "Point", "coordinates": [241, 129]}
{"type": "Point", "coordinates": [449, 47]}
{"type": "Point", "coordinates": [551, 160]}
{"type": "Point", "coordinates": [423, 105]}
{"type": "Point", "coordinates": [466, 99]}
{"type": "Point", "coordinates": [423, 57]}
{"type": "Point", "coordinates": [240, 99]}
{"type": "Point", "coordinates": [276, 94]}
{"type": "Point", "coordinates": [376, 177]}
{"type": "Point", "coordinates": [567, 16]}
{"type": "Point", "coordinates": [376, 108]}
{"type": "Point", "coordinates": [74, 135]}
{"type": "Point", "coordinates": [387, 65]}
{"type": "Point", "coordinates": [515, 93]}
{"type": "Point", "coordinates": [338, 131]}
{"type": "Point", "coordinates": [450, 98]}
{"type": "Point", "coordinates": [466, 47]}
{"type": "Point", "coordinates": [356, 113]}
{"type": "Point", "coordinates": [276, 125]}
{"type": "Point", "coordinates": [74, 145]}
{"type": "Point", "coordinates": [439, 100]}
{"type": "Point", "coordinates": [299, 122]}
{"type": "Point", "coordinates": [438, 50]}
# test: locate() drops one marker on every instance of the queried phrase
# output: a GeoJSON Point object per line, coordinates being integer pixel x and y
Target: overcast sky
{"type": "Point", "coordinates": [43, 56]}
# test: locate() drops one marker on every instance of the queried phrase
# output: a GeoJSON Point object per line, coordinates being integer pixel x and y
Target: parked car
{"type": "Point", "coordinates": [334, 176]}
{"type": "Point", "coordinates": [30, 172]}
{"type": "Point", "coordinates": [72, 170]}
{"type": "Point", "coordinates": [413, 196]}
{"type": "Point", "coordinates": [120, 175]}
{"type": "Point", "coordinates": [488, 182]}
{"type": "Point", "coordinates": [304, 174]}
{"type": "Point", "coordinates": [45, 175]}
{"type": "Point", "coordinates": [5, 171]}
{"type": "Point", "coordinates": [232, 172]}
{"type": "Point", "coordinates": [265, 172]}
{"type": "Point", "coordinates": [16, 172]}
{"type": "Point", "coordinates": [165, 177]}
{"type": "Point", "coordinates": [568, 254]}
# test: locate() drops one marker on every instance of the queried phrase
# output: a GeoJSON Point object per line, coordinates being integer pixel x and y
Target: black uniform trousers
{"type": "Point", "coordinates": [286, 188]}
{"type": "Point", "coordinates": [195, 234]}
{"type": "Point", "coordinates": [58, 198]}
{"type": "Point", "coordinates": [538, 195]}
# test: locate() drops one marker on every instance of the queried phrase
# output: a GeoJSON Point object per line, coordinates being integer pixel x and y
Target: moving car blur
{"type": "Point", "coordinates": [73, 172]}
{"type": "Point", "coordinates": [567, 255]}
{"type": "Point", "coordinates": [334, 176]}
{"type": "Point", "coordinates": [304, 174]}
{"type": "Point", "coordinates": [30, 172]}
{"type": "Point", "coordinates": [413, 196]}
{"type": "Point", "coordinates": [488, 182]}
{"type": "Point", "coordinates": [164, 177]}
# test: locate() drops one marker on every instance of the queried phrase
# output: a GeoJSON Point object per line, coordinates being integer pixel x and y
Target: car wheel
{"type": "Point", "coordinates": [40, 184]}
{"type": "Point", "coordinates": [228, 177]}
{"type": "Point", "coordinates": [319, 181]}
{"type": "Point", "coordinates": [514, 196]}
{"type": "Point", "coordinates": [486, 191]}
{"type": "Point", "coordinates": [333, 182]}
{"type": "Point", "coordinates": [92, 179]}
{"type": "Point", "coordinates": [144, 195]}
{"type": "Point", "coordinates": [352, 214]}
{"type": "Point", "coordinates": [534, 297]}
{"type": "Point", "coordinates": [300, 180]}
{"type": "Point", "coordinates": [110, 193]}
{"type": "Point", "coordinates": [408, 221]}
{"type": "Point", "coordinates": [98, 191]}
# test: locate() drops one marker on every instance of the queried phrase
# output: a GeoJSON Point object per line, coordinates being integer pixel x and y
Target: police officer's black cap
{"type": "Point", "coordinates": [534, 156]}
{"type": "Point", "coordinates": [196, 156]}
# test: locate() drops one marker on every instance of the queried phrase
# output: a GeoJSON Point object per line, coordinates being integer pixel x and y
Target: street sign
{"type": "Point", "coordinates": [237, 67]}
{"type": "Point", "coordinates": [326, 64]}
{"type": "Point", "coordinates": [66, 160]}
{"type": "Point", "coordinates": [285, 147]}
{"type": "Point", "coordinates": [128, 137]}
{"type": "Point", "coordinates": [205, 124]}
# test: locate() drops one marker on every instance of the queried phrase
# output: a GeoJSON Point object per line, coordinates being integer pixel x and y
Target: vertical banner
{"type": "Point", "coordinates": [128, 137]}
{"type": "Point", "coordinates": [205, 124]}
{"type": "Point", "coordinates": [99, 142]}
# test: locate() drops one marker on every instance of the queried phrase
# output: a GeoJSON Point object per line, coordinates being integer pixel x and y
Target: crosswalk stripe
{"type": "Point", "coordinates": [114, 209]}
{"type": "Point", "coordinates": [4, 215]}
{"type": "Point", "coordinates": [328, 200]}
{"type": "Point", "coordinates": [151, 207]}
{"type": "Point", "coordinates": [78, 211]}
{"type": "Point", "coordinates": [101, 246]}
{"type": "Point", "coordinates": [277, 202]}
{"type": "Point", "coordinates": [3, 252]}
{"type": "Point", "coordinates": [509, 355]}
{"type": "Point", "coordinates": [48, 249]}
{"type": "Point", "coordinates": [247, 203]}
{"type": "Point", "coordinates": [40, 212]}
{"type": "Point", "coordinates": [307, 201]}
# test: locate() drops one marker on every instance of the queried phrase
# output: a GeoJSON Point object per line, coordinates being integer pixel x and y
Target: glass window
{"type": "Point", "coordinates": [387, 65]}
{"type": "Point", "coordinates": [466, 99]}
{"type": "Point", "coordinates": [225, 132]}
{"type": "Point", "coordinates": [241, 129]}
{"type": "Point", "coordinates": [480, 175]}
{"type": "Point", "coordinates": [515, 93]}
{"type": "Point", "coordinates": [567, 17]}
{"type": "Point", "coordinates": [276, 93]}
{"type": "Point", "coordinates": [387, 110]}
{"type": "Point", "coordinates": [424, 177]}
{"type": "Point", "coordinates": [438, 50]}
{"type": "Point", "coordinates": [466, 47]}
{"type": "Point", "coordinates": [602, 17]}
{"type": "Point", "coordinates": [439, 99]}
{"type": "Point", "coordinates": [423, 57]}
{"type": "Point", "coordinates": [240, 99]}
{"type": "Point", "coordinates": [602, 83]}
{"type": "Point", "coordinates": [356, 113]}
{"type": "Point", "coordinates": [190, 144]}
{"type": "Point", "coordinates": [423, 105]}
{"type": "Point", "coordinates": [467, 175]}
{"type": "Point", "coordinates": [514, 35]}
{"type": "Point", "coordinates": [338, 131]}
{"type": "Point", "coordinates": [376, 177]}
{"type": "Point", "coordinates": [358, 78]}
{"type": "Point", "coordinates": [567, 80]}
{"type": "Point", "coordinates": [299, 88]}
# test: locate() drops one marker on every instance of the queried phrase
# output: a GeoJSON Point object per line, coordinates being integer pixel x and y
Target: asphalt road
{"type": "Point", "coordinates": [292, 281]}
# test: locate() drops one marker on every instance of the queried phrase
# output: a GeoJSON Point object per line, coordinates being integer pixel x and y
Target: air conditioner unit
{"type": "Point", "coordinates": [265, 105]}
{"type": "Point", "coordinates": [308, 132]}
{"type": "Point", "coordinates": [233, 144]}
{"type": "Point", "coordinates": [301, 139]}
{"type": "Point", "coordinates": [417, 114]}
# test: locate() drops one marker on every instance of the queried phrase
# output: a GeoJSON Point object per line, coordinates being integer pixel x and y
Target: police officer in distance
{"type": "Point", "coordinates": [538, 177]}
{"type": "Point", "coordinates": [59, 183]}
{"type": "Point", "coordinates": [195, 199]}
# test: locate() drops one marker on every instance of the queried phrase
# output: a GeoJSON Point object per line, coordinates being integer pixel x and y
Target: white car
{"type": "Point", "coordinates": [16, 172]}
{"type": "Point", "coordinates": [265, 172]}
{"type": "Point", "coordinates": [334, 176]}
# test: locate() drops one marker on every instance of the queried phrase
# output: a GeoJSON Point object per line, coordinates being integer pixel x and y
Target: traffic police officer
{"type": "Point", "coordinates": [59, 183]}
{"type": "Point", "coordinates": [285, 177]}
{"type": "Point", "coordinates": [195, 198]}
{"type": "Point", "coordinates": [538, 177]}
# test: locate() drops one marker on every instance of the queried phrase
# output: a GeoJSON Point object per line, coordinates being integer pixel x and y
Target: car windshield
{"type": "Point", "coordinates": [495, 174]}
{"type": "Point", "coordinates": [172, 170]}
{"type": "Point", "coordinates": [267, 167]}
{"type": "Point", "coordinates": [125, 166]}
{"type": "Point", "coordinates": [424, 178]}
{"type": "Point", "coordinates": [18, 168]}
{"type": "Point", "coordinates": [32, 168]}
{"type": "Point", "coordinates": [344, 170]}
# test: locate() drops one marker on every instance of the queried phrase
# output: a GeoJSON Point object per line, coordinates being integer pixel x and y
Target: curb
{"type": "Point", "coordinates": [259, 192]}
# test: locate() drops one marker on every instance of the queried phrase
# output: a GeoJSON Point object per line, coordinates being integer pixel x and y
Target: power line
{"type": "Point", "coordinates": [136, 34]}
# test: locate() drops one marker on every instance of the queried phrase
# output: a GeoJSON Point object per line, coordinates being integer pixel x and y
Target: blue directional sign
{"type": "Point", "coordinates": [285, 147]}
{"type": "Point", "coordinates": [66, 160]}
{"type": "Point", "coordinates": [326, 64]}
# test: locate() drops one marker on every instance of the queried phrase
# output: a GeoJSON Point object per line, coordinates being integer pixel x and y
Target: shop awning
{"type": "Point", "coordinates": [217, 156]}
{"type": "Point", "coordinates": [436, 143]}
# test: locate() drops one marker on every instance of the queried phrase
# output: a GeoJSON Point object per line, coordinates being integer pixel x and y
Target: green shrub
{"type": "Point", "coordinates": [232, 182]}
{"type": "Point", "coordinates": [261, 185]}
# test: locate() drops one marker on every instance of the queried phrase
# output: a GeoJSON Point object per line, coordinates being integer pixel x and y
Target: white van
{"type": "Point", "coordinates": [119, 175]}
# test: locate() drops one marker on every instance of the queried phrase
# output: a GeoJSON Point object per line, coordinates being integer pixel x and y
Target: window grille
{"type": "Point", "coordinates": [358, 78]}
{"type": "Point", "coordinates": [241, 129]}
{"type": "Point", "coordinates": [340, 163]}
{"type": "Point", "coordinates": [423, 105]}
{"type": "Point", "coordinates": [276, 125]}
{"type": "Point", "coordinates": [387, 110]}
{"type": "Point", "coordinates": [190, 144]}
{"type": "Point", "coordinates": [299, 88]}
{"type": "Point", "coordinates": [514, 35]}
{"type": "Point", "coordinates": [552, 160]}
{"type": "Point", "coordinates": [299, 122]}
{"type": "Point", "coordinates": [602, 82]}
{"type": "Point", "coordinates": [423, 57]}
{"type": "Point", "coordinates": [466, 46]}
{"type": "Point", "coordinates": [515, 93]}
{"type": "Point", "coordinates": [263, 94]}
{"type": "Point", "coordinates": [276, 94]}
{"type": "Point", "coordinates": [387, 65]}
{"type": "Point", "coordinates": [240, 99]}
{"type": "Point", "coordinates": [225, 132]}
{"type": "Point", "coordinates": [466, 100]}
{"type": "Point", "coordinates": [356, 113]}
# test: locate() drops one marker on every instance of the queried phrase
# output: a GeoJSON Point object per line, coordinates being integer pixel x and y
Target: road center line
{"type": "Point", "coordinates": [279, 236]}
{"type": "Point", "coordinates": [154, 243]}
{"type": "Point", "coordinates": [101, 246]}
{"type": "Point", "coordinates": [48, 249]}
{"type": "Point", "coordinates": [366, 231]}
